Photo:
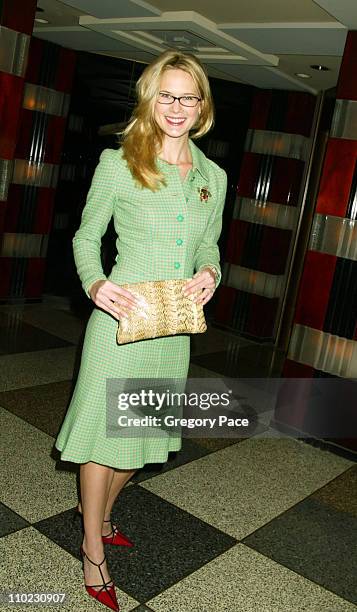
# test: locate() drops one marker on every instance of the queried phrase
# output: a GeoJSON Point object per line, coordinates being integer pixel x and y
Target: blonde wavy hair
{"type": "Point", "coordinates": [142, 137]}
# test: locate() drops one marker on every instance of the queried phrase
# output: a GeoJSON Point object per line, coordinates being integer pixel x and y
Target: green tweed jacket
{"type": "Point", "coordinates": [161, 235]}
{"type": "Point", "coordinates": [166, 234]}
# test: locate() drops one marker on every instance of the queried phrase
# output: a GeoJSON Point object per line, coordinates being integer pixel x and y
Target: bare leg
{"type": "Point", "coordinates": [95, 481]}
{"type": "Point", "coordinates": [118, 480]}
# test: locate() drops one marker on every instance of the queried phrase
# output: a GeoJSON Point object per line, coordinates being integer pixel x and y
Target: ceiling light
{"type": "Point", "coordinates": [40, 20]}
{"type": "Point", "coordinates": [181, 39]}
{"type": "Point", "coordinates": [302, 75]}
{"type": "Point", "coordinates": [319, 67]}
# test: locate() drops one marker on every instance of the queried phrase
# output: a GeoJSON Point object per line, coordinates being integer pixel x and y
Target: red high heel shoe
{"type": "Point", "coordinates": [106, 594]}
{"type": "Point", "coordinates": [115, 537]}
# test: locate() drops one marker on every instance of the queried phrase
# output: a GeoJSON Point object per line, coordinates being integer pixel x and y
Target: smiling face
{"type": "Point", "coordinates": [176, 120]}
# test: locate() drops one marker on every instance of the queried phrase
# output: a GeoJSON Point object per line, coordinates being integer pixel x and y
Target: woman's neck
{"type": "Point", "coordinates": [176, 151]}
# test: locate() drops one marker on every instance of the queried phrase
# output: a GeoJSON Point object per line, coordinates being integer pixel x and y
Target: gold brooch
{"type": "Point", "coordinates": [204, 194]}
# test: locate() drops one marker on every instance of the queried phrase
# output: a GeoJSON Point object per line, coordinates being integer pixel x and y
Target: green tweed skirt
{"type": "Point", "coordinates": [83, 435]}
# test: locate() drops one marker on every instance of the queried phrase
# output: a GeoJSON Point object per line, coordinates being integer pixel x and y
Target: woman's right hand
{"type": "Point", "coordinates": [115, 300]}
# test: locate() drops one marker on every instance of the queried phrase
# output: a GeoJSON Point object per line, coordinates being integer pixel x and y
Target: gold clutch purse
{"type": "Point", "coordinates": [169, 312]}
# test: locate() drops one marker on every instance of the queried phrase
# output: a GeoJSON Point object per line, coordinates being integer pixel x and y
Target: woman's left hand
{"type": "Point", "coordinates": [204, 281]}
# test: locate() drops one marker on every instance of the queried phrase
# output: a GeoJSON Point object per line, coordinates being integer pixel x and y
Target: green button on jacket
{"type": "Point", "coordinates": [146, 227]}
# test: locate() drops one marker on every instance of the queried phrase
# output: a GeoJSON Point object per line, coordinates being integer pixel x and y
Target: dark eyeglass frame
{"type": "Point", "coordinates": [179, 98]}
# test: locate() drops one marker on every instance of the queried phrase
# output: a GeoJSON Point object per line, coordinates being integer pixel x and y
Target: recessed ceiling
{"type": "Point", "coordinates": [343, 10]}
{"type": "Point", "coordinates": [248, 11]}
{"type": "Point", "coordinates": [265, 48]}
{"type": "Point", "coordinates": [291, 38]}
{"type": "Point", "coordinates": [109, 8]}
{"type": "Point", "coordinates": [58, 14]}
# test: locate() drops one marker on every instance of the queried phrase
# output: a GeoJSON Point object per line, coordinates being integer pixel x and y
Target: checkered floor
{"type": "Point", "coordinates": [263, 523]}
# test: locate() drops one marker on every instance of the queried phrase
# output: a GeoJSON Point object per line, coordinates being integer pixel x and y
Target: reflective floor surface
{"type": "Point", "coordinates": [261, 523]}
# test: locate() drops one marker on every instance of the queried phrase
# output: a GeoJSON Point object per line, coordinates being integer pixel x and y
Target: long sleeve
{"type": "Point", "coordinates": [208, 251]}
{"type": "Point", "coordinates": [95, 219]}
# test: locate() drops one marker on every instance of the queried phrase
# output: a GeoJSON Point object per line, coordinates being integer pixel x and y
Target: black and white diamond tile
{"type": "Point", "coordinates": [251, 524]}
{"type": "Point", "coordinates": [10, 521]}
{"type": "Point", "coordinates": [169, 543]}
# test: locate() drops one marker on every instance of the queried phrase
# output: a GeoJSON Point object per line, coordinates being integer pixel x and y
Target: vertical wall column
{"type": "Point", "coordinates": [324, 337]}
{"type": "Point", "coordinates": [16, 24]}
{"type": "Point", "coordinates": [323, 343]}
{"type": "Point", "coordinates": [266, 213]}
{"type": "Point", "coordinates": [28, 215]}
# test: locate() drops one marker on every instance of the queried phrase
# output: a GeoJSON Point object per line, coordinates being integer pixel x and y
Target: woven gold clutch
{"type": "Point", "coordinates": [169, 312]}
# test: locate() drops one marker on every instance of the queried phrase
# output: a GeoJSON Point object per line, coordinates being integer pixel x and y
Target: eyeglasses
{"type": "Point", "coordinates": [165, 98]}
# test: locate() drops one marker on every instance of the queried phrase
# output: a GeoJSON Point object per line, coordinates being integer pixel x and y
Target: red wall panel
{"type": "Point", "coordinates": [286, 180]}
{"type": "Point", "coordinates": [292, 369]}
{"type": "Point", "coordinates": [11, 92]}
{"type": "Point", "coordinates": [315, 288]}
{"type": "Point", "coordinates": [347, 82]}
{"type": "Point", "coordinates": [18, 15]}
{"type": "Point", "coordinates": [34, 65]}
{"type": "Point", "coordinates": [249, 175]}
{"type": "Point", "coordinates": [15, 196]}
{"type": "Point", "coordinates": [300, 114]}
{"type": "Point", "coordinates": [260, 110]}
{"type": "Point", "coordinates": [236, 241]}
{"type": "Point", "coordinates": [34, 277]}
{"type": "Point", "coordinates": [274, 250]}
{"type": "Point", "coordinates": [53, 131]}
{"type": "Point", "coordinates": [337, 176]}
{"type": "Point", "coordinates": [44, 210]}
{"type": "Point", "coordinates": [54, 139]}
{"type": "Point", "coordinates": [23, 144]}
{"type": "Point", "coordinates": [225, 304]}
{"type": "Point", "coordinates": [261, 318]}
{"type": "Point", "coordinates": [5, 276]}
{"type": "Point", "coordinates": [65, 72]}
{"type": "Point", "coordinates": [3, 207]}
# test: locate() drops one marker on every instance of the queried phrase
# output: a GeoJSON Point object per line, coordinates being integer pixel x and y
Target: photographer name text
{"type": "Point", "coordinates": [191, 423]}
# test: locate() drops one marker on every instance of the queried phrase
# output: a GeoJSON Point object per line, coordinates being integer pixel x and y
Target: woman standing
{"type": "Point", "coordinates": [166, 199]}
